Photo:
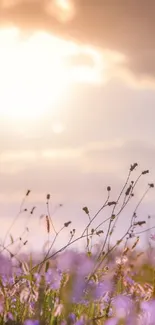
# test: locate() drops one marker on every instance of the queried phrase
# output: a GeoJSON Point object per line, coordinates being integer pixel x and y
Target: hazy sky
{"type": "Point", "coordinates": [77, 101]}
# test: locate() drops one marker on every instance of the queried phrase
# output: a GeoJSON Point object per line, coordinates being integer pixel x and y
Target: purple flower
{"type": "Point", "coordinates": [18, 271]}
{"type": "Point", "coordinates": [79, 262]}
{"type": "Point", "coordinates": [79, 286]}
{"type": "Point", "coordinates": [53, 278]}
{"type": "Point", "coordinates": [5, 265]}
{"type": "Point", "coordinates": [31, 322]}
{"type": "Point", "coordinates": [132, 319]}
{"type": "Point", "coordinates": [80, 322]}
{"type": "Point", "coordinates": [147, 312]}
{"type": "Point", "coordinates": [112, 321]}
{"type": "Point", "coordinates": [9, 316]}
{"type": "Point", "coordinates": [11, 280]}
{"type": "Point", "coordinates": [4, 280]}
{"type": "Point", "coordinates": [66, 261]}
{"type": "Point", "coordinates": [85, 264]}
{"type": "Point", "coordinates": [32, 304]}
{"type": "Point", "coordinates": [37, 277]}
{"type": "Point", "coordinates": [123, 306]}
{"type": "Point", "coordinates": [129, 280]}
{"type": "Point", "coordinates": [72, 317]}
{"type": "Point", "coordinates": [102, 290]}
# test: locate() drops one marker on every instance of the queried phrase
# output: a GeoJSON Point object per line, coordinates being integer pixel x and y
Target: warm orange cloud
{"type": "Point", "coordinates": [126, 27]}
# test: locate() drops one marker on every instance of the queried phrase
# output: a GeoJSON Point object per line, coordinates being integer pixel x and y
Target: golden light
{"type": "Point", "coordinates": [35, 72]}
{"type": "Point", "coordinates": [58, 127]}
{"type": "Point", "coordinates": [63, 10]}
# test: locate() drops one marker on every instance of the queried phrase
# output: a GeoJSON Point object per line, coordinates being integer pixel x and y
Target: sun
{"type": "Point", "coordinates": [34, 74]}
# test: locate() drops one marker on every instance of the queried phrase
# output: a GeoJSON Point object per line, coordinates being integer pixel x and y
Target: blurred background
{"type": "Point", "coordinates": [77, 101]}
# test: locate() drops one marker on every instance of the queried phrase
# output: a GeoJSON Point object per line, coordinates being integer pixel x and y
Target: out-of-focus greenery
{"type": "Point", "coordinates": [112, 285]}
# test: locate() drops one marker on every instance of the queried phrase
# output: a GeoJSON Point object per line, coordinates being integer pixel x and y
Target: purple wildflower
{"type": "Point", "coordinates": [112, 321]}
{"type": "Point", "coordinates": [31, 322]}
{"type": "Point", "coordinates": [123, 306]}
{"type": "Point", "coordinates": [102, 289]}
{"type": "Point", "coordinates": [81, 321]}
{"type": "Point", "coordinates": [53, 278]}
{"type": "Point", "coordinates": [4, 280]}
{"type": "Point", "coordinates": [129, 280]}
{"type": "Point", "coordinates": [37, 278]}
{"type": "Point", "coordinates": [9, 316]}
{"type": "Point", "coordinates": [79, 286]}
{"type": "Point", "coordinates": [85, 265]}
{"type": "Point", "coordinates": [72, 317]}
{"type": "Point", "coordinates": [148, 312]}
{"type": "Point", "coordinates": [66, 261]}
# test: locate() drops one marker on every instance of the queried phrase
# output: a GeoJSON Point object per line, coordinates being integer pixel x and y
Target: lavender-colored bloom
{"type": "Point", "coordinates": [18, 271]}
{"type": "Point", "coordinates": [90, 288]}
{"type": "Point", "coordinates": [53, 278]}
{"type": "Point", "coordinates": [129, 280]}
{"type": "Point", "coordinates": [102, 290]}
{"type": "Point", "coordinates": [37, 277]}
{"type": "Point", "coordinates": [5, 265]}
{"type": "Point", "coordinates": [66, 261]}
{"type": "Point", "coordinates": [84, 302]}
{"type": "Point", "coordinates": [123, 306]}
{"type": "Point", "coordinates": [4, 280]}
{"type": "Point", "coordinates": [13, 305]}
{"type": "Point", "coordinates": [79, 287]}
{"type": "Point", "coordinates": [32, 305]}
{"type": "Point", "coordinates": [112, 321]}
{"type": "Point", "coordinates": [79, 322]}
{"type": "Point", "coordinates": [147, 316]}
{"type": "Point", "coordinates": [48, 276]}
{"type": "Point", "coordinates": [132, 319]}
{"type": "Point", "coordinates": [9, 316]}
{"type": "Point", "coordinates": [75, 262]}
{"type": "Point", "coordinates": [31, 322]}
{"type": "Point", "coordinates": [72, 317]}
{"type": "Point", "coordinates": [85, 265]}
{"type": "Point", "coordinates": [110, 313]}
{"type": "Point", "coordinates": [11, 280]}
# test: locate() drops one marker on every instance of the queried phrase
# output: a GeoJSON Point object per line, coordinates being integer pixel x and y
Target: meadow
{"type": "Point", "coordinates": [112, 284]}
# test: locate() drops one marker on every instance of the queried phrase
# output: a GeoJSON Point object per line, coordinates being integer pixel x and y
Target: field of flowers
{"type": "Point", "coordinates": [112, 285]}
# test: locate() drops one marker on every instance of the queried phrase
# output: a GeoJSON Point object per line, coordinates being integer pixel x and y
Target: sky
{"type": "Point", "coordinates": [77, 97]}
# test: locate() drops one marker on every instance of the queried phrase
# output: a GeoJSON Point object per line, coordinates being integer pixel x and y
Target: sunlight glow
{"type": "Point", "coordinates": [63, 10]}
{"type": "Point", "coordinates": [58, 127]}
{"type": "Point", "coordinates": [35, 72]}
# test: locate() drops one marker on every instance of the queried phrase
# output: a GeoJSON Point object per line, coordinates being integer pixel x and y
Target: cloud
{"type": "Point", "coordinates": [73, 167]}
{"type": "Point", "coordinates": [127, 27]}
{"type": "Point", "coordinates": [119, 155]}
{"type": "Point", "coordinates": [89, 114]}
